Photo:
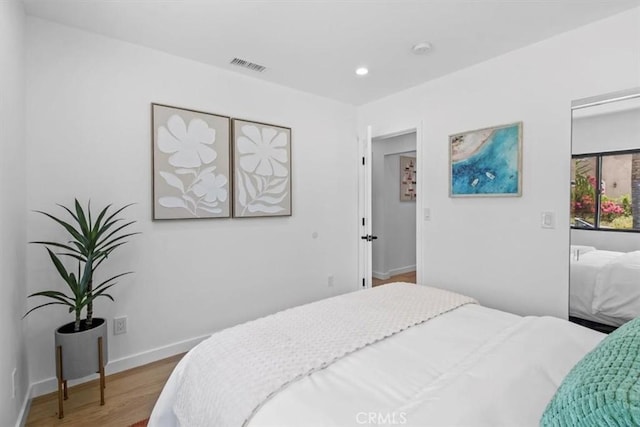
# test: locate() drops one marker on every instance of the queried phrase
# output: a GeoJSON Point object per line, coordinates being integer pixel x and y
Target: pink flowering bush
{"type": "Point", "coordinates": [609, 210]}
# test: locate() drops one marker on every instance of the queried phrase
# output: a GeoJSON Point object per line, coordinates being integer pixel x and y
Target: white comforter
{"type": "Point", "coordinates": [583, 275]}
{"type": "Point", "coordinates": [473, 366]}
{"type": "Point", "coordinates": [617, 289]}
{"type": "Point", "coordinates": [252, 361]}
{"type": "Point", "coordinates": [605, 286]}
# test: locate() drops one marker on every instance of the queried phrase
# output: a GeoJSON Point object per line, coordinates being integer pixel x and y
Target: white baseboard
{"type": "Point", "coordinates": [381, 276]}
{"type": "Point", "coordinates": [50, 385]}
{"type": "Point", "coordinates": [24, 410]}
{"type": "Point", "coordinates": [394, 271]}
{"type": "Point", "coordinates": [402, 270]}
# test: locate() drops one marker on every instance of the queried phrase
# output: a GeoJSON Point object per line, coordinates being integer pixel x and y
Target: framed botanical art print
{"type": "Point", "coordinates": [191, 164]}
{"type": "Point", "coordinates": [486, 162]}
{"type": "Point", "coordinates": [262, 169]}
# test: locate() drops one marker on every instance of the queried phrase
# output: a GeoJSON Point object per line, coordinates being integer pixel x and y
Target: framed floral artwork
{"type": "Point", "coordinates": [262, 169]}
{"type": "Point", "coordinates": [191, 164]}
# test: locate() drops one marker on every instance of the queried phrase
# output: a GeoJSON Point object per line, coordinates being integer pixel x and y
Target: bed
{"type": "Point", "coordinates": [466, 365]}
{"type": "Point", "coordinates": [604, 285]}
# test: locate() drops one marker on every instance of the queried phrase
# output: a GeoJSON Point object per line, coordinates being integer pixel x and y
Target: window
{"type": "Point", "coordinates": [603, 190]}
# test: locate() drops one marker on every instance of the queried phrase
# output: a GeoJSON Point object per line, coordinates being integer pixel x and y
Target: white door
{"type": "Point", "coordinates": [364, 236]}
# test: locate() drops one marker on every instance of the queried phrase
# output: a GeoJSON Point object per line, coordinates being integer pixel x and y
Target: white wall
{"type": "Point", "coordinates": [494, 248]}
{"type": "Point", "coordinates": [88, 136]}
{"type": "Point", "coordinates": [399, 219]}
{"type": "Point", "coordinates": [394, 222]}
{"type": "Point", "coordinates": [12, 209]}
{"type": "Point", "coordinates": [613, 131]}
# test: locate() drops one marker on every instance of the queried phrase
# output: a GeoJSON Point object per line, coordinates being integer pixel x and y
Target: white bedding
{"type": "Point", "coordinates": [605, 286]}
{"type": "Point", "coordinates": [617, 289]}
{"type": "Point", "coordinates": [473, 366]}
{"type": "Point", "coordinates": [252, 361]}
{"type": "Point", "coordinates": [584, 272]}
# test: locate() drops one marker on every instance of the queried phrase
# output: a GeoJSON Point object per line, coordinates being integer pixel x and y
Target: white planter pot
{"type": "Point", "coordinates": [80, 350]}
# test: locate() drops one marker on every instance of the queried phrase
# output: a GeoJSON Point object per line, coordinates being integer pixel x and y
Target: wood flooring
{"type": "Point", "coordinates": [129, 397]}
{"type": "Point", "coordinates": [405, 277]}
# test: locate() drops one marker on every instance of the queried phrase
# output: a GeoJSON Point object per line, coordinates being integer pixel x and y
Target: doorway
{"type": "Point", "coordinates": [393, 208]}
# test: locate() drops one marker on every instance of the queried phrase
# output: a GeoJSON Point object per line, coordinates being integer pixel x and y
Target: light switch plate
{"type": "Point", "coordinates": [548, 220]}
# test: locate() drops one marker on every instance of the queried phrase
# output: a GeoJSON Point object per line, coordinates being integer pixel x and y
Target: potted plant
{"type": "Point", "coordinates": [81, 345]}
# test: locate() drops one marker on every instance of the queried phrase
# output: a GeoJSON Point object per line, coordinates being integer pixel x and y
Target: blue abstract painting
{"type": "Point", "coordinates": [487, 162]}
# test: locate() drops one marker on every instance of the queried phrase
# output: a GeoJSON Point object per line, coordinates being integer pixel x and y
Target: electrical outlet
{"type": "Point", "coordinates": [330, 280]}
{"type": "Point", "coordinates": [120, 325]}
{"type": "Point", "coordinates": [13, 383]}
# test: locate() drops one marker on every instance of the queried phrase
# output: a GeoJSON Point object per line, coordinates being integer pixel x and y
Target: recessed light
{"type": "Point", "coordinates": [362, 71]}
{"type": "Point", "coordinates": [422, 48]}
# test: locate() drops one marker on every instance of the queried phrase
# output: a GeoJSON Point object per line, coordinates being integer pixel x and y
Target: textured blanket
{"type": "Point", "coordinates": [230, 375]}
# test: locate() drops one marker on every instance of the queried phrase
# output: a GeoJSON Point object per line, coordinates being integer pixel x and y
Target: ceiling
{"type": "Point", "coordinates": [315, 46]}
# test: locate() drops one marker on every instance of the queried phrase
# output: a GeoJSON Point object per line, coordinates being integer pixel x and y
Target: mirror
{"type": "Point", "coordinates": [604, 288]}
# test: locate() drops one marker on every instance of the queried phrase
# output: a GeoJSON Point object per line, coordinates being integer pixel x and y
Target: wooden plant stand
{"type": "Point", "coordinates": [62, 382]}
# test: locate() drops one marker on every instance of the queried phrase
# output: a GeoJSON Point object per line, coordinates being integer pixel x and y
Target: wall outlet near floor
{"type": "Point", "coordinates": [120, 325]}
{"type": "Point", "coordinates": [330, 280]}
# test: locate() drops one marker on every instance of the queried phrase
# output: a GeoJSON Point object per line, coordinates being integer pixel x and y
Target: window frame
{"type": "Point", "coordinates": [598, 199]}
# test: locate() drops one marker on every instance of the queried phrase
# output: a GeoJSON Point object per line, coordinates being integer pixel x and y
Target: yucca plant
{"type": "Point", "coordinates": [90, 245]}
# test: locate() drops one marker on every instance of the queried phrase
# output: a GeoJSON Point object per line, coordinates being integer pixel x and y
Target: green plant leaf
{"type": "Point", "coordinates": [78, 257]}
{"type": "Point", "coordinates": [103, 255]}
{"type": "Point", "coordinates": [82, 219]}
{"type": "Point", "coordinates": [96, 227]}
{"type": "Point", "coordinates": [98, 287]}
{"type": "Point", "coordinates": [44, 305]}
{"type": "Point", "coordinates": [87, 276]}
{"type": "Point", "coordinates": [118, 211]}
{"type": "Point", "coordinates": [59, 245]}
{"type": "Point", "coordinates": [57, 295]}
{"type": "Point", "coordinates": [89, 214]}
{"type": "Point", "coordinates": [59, 267]}
{"type": "Point", "coordinates": [106, 242]}
{"type": "Point", "coordinates": [102, 294]}
{"type": "Point", "coordinates": [73, 284]}
{"type": "Point", "coordinates": [89, 245]}
{"type": "Point", "coordinates": [108, 223]}
{"type": "Point", "coordinates": [75, 233]}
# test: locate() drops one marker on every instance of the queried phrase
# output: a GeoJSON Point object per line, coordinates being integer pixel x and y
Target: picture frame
{"type": "Point", "coordinates": [486, 162]}
{"type": "Point", "coordinates": [407, 179]}
{"type": "Point", "coordinates": [262, 169]}
{"type": "Point", "coordinates": [191, 163]}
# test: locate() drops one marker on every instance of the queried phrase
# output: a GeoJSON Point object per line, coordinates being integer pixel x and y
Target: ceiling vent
{"type": "Point", "coordinates": [249, 65]}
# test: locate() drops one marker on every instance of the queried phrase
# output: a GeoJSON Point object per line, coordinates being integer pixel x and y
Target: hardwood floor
{"type": "Point", "coordinates": [129, 398]}
{"type": "Point", "coordinates": [405, 277]}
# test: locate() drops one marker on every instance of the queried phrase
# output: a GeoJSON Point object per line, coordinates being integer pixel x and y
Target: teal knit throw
{"type": "Point", "coordinates": [603, 389]}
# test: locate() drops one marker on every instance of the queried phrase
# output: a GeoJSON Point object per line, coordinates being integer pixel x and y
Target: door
{"type": "Point", "coordinates": [365, 237]}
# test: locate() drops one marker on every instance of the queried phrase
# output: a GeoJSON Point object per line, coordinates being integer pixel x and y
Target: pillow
{"type": "Point", "coordinates": [602, 389]}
